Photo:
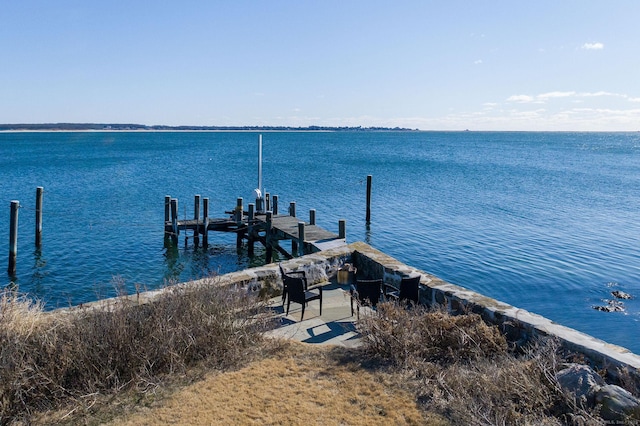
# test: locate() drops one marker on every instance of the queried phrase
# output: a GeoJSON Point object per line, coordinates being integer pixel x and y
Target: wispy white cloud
{"type": "Point", "coordinates": [552, 95]}
{"type": "Point", "coordinates": [477, 61]}
{"type": "Point", "coordinates": [576, 96]}
{"type": "Point", "coordinates": [593, 46]}
{"type": "Point", "coordinates": [523, 99]}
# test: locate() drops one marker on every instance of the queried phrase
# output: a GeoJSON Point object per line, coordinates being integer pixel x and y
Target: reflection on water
{"type": "Point", "coordinates": [39, 272]}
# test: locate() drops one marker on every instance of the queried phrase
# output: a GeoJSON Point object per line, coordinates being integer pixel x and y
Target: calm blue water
{"type": "Point", "coordinates": [545, 221]}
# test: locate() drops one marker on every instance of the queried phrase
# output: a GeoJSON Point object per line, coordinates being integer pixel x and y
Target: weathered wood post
{"type": "Point", "coordinates": [167, 209]}
{"type": "Point", "coordinates": [175, 231]}
{"type": "Point", "coordinates": [250, 220]}
{"type": "Point", "coordinates": [238, 212]}
{"type": "Point", "coordinates": [292, 213]}
{"type": "Point", "coordinates": [39, 198]}
{"type": "Point", "coordinates": [300, 238]}
{"type": "Point", "coordinates": [267, 201]}
{"type": "Point", "coordinates": [196, 216]}
{"type": "Point", "coordinates": [13, 237]}
{"type": "Point", "coordinates": [268, 242]}
{"type": "Point", "coordinates": [312, 217]}
{"type": "Point", "coordinates": [342, 229]}
{"type": "Point", "coordinates": [239, 217]}
{"type": "Point", "coordinates": [369, 177]}
{"type": "Point", "coordinates": [205, 222]}
{"type": "Point", "coordinates": [274, 208]}
{"type": "Point", "coordinates": [196, 207]}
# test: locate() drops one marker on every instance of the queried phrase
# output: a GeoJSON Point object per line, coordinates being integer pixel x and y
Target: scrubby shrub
{"type": "Point", "coordinates": [49, 358]}
{"type": "Point", "coordinates": [403, 336]}
{"type": "Point", "coordinates": [463, 369]}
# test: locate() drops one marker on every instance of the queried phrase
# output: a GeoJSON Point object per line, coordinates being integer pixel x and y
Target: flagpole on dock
{"type": "Point", "coordinates": [259, 190]}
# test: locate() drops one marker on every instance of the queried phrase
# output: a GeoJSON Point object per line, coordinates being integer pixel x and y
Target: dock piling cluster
{"type": "Point", "coordinates": [267, 227]}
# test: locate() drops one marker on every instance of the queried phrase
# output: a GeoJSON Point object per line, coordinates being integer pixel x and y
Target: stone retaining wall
{"type": "Point", "coordinates": [519, 325]}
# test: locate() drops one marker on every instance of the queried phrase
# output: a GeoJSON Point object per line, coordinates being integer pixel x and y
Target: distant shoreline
{"type": "Point", "coordinates": [110, 127]}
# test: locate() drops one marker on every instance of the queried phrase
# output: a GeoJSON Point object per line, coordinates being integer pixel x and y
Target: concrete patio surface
{"type": "Point", "coordinates": [335, 326]}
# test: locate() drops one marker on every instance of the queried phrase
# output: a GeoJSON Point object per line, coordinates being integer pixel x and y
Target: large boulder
{"type": "Point", "coordinates": [581, 381]}
{"type": "Point", "coordinates": [590, 390]}
{"type": "Point", "coordinates": [617, 403]}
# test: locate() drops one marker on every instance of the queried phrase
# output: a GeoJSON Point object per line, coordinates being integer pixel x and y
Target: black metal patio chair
{"type": "Point", "coordinates": [297, 292]}
{"type": "Point", "coordinates": [365, 293]}
{"type": "Point", "coordinates": [292, 274]}
{"type": "Point", "coordinates": [407, 292]}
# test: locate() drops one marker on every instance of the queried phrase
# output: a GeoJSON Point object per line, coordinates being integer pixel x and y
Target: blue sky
{"type": "Point", "coordinates": [432, 65]}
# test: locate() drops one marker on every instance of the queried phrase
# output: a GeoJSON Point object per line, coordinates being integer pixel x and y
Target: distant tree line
{"type": "Point", "coordinates": [120, 126]}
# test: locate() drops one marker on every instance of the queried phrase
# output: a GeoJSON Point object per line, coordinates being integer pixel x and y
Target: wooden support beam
{"type": "Point", "coordinates": [250, 230]}
{"type": "Point", "coordinates": [312, 217]}
{"type": "Point", "coordinates": [369, 178]}
{"type": "Point", "coordinates": [292, 213]}
{"type": "Point", "coordinates": [301, 239]}
{"type": "Point", "coordinates": [239, 212]}
{"type": "Point", "coordinates": [13, 237]}
{"type": "Point", "coordinates": [196, 216]}
{"type": "Point", "coordinates": [167, 208]}
{"type": "Point", "coordinates": [268, 237]}
{"type": "Point", "coordinates": [39, 198]}
{"type": "Point", "coordinates": [205, 222]}
{"type": "Point", "coordinates": [174, 221]}
{"type": "Point", "coordinates": [274, 208]}
{"type": "Point", "coordinates": [196, 207]}
{"type": "Point", "coordinates": [342, 228]}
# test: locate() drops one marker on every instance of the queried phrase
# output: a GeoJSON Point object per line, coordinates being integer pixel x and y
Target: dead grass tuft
{"type": "Point", "coordinates": [48, 360]}
{"type": "Point", "coordinates": [461, 368]}
{"type": "Point", "coordinates": [403, 336]}
{"type": "Point", "coordinates": [297, 384]}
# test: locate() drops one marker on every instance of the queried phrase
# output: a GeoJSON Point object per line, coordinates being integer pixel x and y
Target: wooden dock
{"type": "Point", "coordinates": [268, 228]}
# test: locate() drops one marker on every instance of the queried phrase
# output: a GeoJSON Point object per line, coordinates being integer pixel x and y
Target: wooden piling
{"type": "Point", "coordinates": [167, 208]}
{"type": "Point", "coordinates": [274, 207]}
{"type": "Point", "coordinates": [239, 213]}
{"type": "Point", "coordinates": [39, 198]}
{"type": "Point", "coordinates": [239, 217]}
{"type": "Point", "coordinates": [196, 216]}
{"type": "Point", "coordinates": [250, 236]}
{"type": "Point", "coordinates": [174, 220]}
{"type": "Point", "coordinates": [312, 217]}
{"type": "Point", "coordinates": [368, 219]}
{"type": "Point", "coordinates": [292, 213]}
{"type": "Point", "coordinates": [300, 238]}
{"type": "Point", "coordinates": [342, 228]}
{"type": "Point", "coordinates": [205, 222]}
{"type": "Point", "coordinates": [268, 242]}
{"type": "Point", "coordinates": [267, 201]}
{"type": "Point", "coordinates": [13, 237]}
{"type": "Point", "coordinates": [196, 207]}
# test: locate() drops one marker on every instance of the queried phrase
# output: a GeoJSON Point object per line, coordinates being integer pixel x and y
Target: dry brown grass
{"type": "Point", "coordinates": [462, 368]}
{"type": "Point", "coordinates": [49, 360]}
{"type": "Point", "coordinates": [298, 384]}
{"type": "Point", "coordinates": [198, 357]}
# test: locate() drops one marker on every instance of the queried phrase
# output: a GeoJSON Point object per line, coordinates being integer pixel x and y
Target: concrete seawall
{"type": "Point", "coordinates": [519, 325]}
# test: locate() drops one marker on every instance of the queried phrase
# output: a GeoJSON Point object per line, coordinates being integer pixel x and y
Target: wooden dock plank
{"type": "Point", "coordinates": [284, 227]}
{"type": "Point", "coordinates": [287, 228]}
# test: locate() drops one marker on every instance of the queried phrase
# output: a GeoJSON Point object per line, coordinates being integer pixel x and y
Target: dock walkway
{"type": "Point", "coordinates": [286, 227]}
{"type": "Point", "coordinates": [269, 228]}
